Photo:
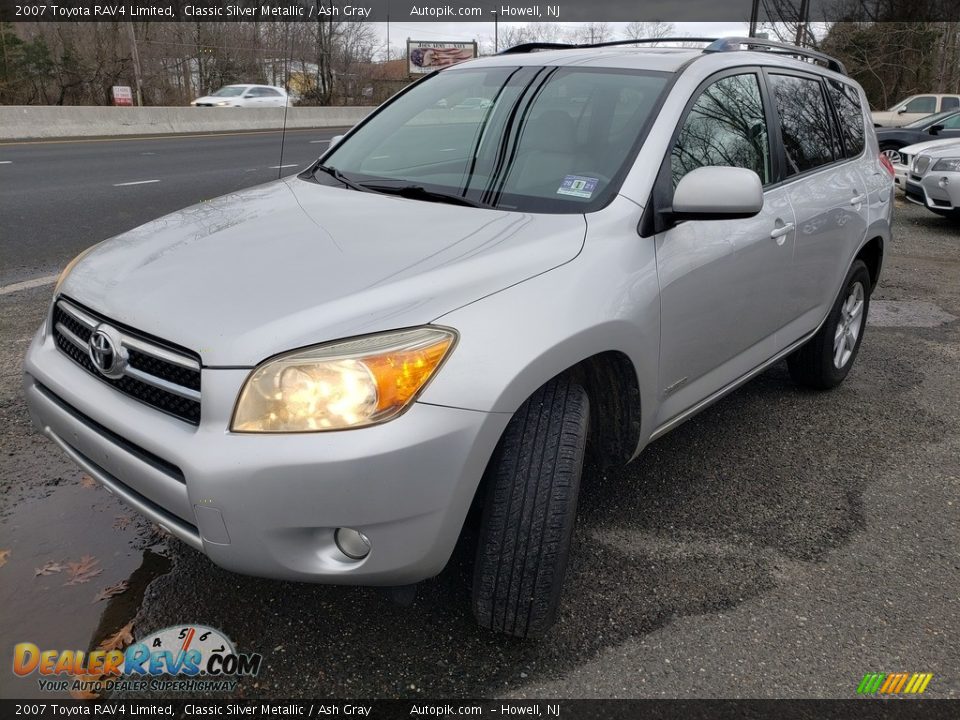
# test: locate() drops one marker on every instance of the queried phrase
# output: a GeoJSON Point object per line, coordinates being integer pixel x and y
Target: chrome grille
{"type": "Point", "coordinates": [161, 376]}
{"type": "Point", "coordinates": [921, 165]}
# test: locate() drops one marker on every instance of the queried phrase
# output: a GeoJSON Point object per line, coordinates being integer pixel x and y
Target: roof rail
{"type": "Point", "coordinates": [534, 46]}
{"type": "Point", "coordinates": [727, 44]}
{"type": "Point", "coordinates": [733, 44]}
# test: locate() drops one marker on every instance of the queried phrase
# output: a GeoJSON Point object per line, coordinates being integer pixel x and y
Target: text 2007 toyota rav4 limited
{"type": "Point", "coordinates": [314, 379]}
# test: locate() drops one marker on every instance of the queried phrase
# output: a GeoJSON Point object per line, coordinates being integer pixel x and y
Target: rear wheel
{"type": "Point", "coordinates": [825, 360]}
{"type": "Point", "coordinates": [528, 515]}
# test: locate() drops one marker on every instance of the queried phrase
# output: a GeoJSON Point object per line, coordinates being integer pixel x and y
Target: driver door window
{"type": "Point", "coordinates": [726, 126]}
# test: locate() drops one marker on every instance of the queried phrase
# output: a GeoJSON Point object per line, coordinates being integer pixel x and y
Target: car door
{"type": "Point", "coordinates": [950, 128]}
{"type": "Point", "coordinates": [721, 281]}
{"type": "Point", "coordinates": [828, 194]}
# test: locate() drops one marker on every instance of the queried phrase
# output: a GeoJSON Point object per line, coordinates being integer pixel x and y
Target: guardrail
{"type": "Point", "coordinates": [29, 122]}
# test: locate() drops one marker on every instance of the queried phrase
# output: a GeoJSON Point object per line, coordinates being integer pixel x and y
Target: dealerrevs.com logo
{"type": "Point", "coordinates": [196, 657]}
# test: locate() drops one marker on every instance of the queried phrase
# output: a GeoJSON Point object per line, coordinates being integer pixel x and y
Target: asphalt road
{"type": "Point", "coordinates": [57, 198]}
{"type": "Point", "coordinates": [781, 544]}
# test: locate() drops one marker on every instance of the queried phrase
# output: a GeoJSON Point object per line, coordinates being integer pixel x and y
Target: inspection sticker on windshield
{"type": "Point", "coordinates": [578, 186]}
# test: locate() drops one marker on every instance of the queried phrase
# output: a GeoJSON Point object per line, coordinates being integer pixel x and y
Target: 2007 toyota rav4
{"type": "Point", "coordinates": [314, 379]}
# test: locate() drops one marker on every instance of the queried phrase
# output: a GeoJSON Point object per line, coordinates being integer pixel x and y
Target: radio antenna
{"type": "Point", "coordinates": [286, 101]}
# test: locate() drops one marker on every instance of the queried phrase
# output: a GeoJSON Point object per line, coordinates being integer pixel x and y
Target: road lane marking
{"type": "Point", "coordinates": [278, 167]}
{"type": "Point", "coordinates": [136, 182]}
{"type": "Point", "coordinates": [184, 136]}
{"type": "Point", "coordinates": [314, 142]}
{"type": "Point", "coordinates": [6, 162]}
{"type": "Point", "coordinates": [27, 284]}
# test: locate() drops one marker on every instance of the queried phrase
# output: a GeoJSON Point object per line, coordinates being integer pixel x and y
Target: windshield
{"type": "Point", "coordinates": [537, 139]}
{"type": "Point", "coordinates": [931, 120]}
{"type": "Point", "coordinates": [229, 91]}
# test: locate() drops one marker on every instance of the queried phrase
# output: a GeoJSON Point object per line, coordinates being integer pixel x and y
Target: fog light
{"type": "Point", "coordinates": [352, 543]}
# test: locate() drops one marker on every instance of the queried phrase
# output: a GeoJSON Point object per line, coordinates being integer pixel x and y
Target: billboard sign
{"type": "Point", "coordinates": [425, 57]}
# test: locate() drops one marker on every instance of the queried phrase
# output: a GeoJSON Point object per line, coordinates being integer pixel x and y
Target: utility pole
{"type": "Point", "coordinates": [496, 33]}
{"type": "Point", "coordinates": [136, 64]}
{"type": "Point", "coordinates": [802, 23]}
{"type": "Point", "coordinates": [754, 18]}
{"type": "Point", "coordinates": [388, 30]}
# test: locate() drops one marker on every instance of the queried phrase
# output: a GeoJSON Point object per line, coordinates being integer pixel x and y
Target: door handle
{"type": "Point", "coordinates": [780, 233]}
{"type": "Point", "coordinates": [858, 199]}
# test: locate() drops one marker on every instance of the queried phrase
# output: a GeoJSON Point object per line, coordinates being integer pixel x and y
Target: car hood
{"type": "Point", "coordinates": [294, 263]}
{"type": "Point", "coordinates": [947, 149]}
{"type": "Point", "coordinates": [928, 145]}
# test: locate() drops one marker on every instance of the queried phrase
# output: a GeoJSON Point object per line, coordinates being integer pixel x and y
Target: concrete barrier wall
{"type": "Point", "coordinates": [27, 122]}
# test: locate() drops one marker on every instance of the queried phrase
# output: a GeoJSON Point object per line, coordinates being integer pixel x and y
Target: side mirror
{"type": "Point", "coordinates": [334, 140]}
{"type": "Point", "coordinates": [901, 111]}
{"type": "Point", "coordinates": [935, 129]}
{"type": "Point", "coordinates": [717, 193]}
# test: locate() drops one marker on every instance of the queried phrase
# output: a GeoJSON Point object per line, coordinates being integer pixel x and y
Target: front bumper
{"type": "Point", "coordinates": [935, 190]}
{"type": "Point", "coordinates": [268, 505]}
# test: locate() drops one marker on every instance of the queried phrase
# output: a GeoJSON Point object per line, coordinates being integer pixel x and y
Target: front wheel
{"type": "Point", "coordinates": [891, 152]}
{"type": "Point", "coordinates": [825, 360]}
{"type": "Point", "coordinates": [527, 524]}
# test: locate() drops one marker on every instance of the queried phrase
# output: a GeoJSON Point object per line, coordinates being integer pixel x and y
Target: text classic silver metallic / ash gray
{"type": "Point", "coordinates": [316, 379]}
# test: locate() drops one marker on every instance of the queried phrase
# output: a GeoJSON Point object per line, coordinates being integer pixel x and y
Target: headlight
{"type": "Point", "coordinates": [947, 165]}
{"type": "Point", "coordinates": [342, 384]}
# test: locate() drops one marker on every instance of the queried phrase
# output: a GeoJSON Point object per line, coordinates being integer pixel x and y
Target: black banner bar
{"type": "Point", "coordinates": [476, 10]}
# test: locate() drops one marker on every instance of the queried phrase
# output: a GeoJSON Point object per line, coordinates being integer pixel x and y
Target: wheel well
{"type": "Point", "coordinates": [611, 383]}
{"type": "Point", "coordinates": [872, 256]}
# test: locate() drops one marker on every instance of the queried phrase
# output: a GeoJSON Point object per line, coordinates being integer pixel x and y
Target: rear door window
{"type": "Point", "coordinates": [846, 101]}
{"type": "Point", "coordinates": [950, 102]}
{"type": "Point", "coordinates": [806, 127]}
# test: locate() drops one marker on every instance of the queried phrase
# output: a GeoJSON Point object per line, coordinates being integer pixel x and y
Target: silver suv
{"type": "Point", "coordinates": [315, 379]}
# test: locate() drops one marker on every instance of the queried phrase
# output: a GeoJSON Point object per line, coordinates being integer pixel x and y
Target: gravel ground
{"type": "Point", "coordinates": [781, 544]}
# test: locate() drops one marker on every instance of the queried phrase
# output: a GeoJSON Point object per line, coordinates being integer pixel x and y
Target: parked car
{"type": "Point", "coordinates": [907, 154]}
{"type": "Point", "coordinates": [316, 379]}
{"type": "Point", "coordinates": [256, 96]}
{"type": "Point", "coordinates": [914, 108]}
{"type": "Point", "coordinates": [944, 125]}
{"type": "Point", "coordinates": [934, 180]}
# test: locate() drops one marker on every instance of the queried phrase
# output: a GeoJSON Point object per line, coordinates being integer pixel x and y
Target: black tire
{"type": "Point", "coordinates": [529, 512]}
{"type": "Point", "coordinates": [813, 364]}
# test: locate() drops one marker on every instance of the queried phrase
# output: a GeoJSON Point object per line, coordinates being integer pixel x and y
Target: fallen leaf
{"type": "Point", "coordinates": [88, 482]}
{"type": "Point", "coordinates": [121, 522]}
{"type": "Point", "coordinates": [83, 571]}
{"type": "Point", "coordinates": [4, 554]}
{"type": "Point", "coordinates": [120, 639]}
{"type": "Point", "coordinates": [50, 568]}
{"type": "Point", "coordinates": [111, 590]}
{"type": "Point", "coordinates": [86, 694]}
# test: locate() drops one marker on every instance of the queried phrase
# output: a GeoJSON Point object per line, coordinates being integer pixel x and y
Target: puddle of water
{"type": "Point", "coordinates": [907, 313]}
{"type": "Point", "coordinates": [68, 522]}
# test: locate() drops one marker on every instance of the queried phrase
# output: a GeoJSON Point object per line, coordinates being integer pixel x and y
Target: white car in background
{"type": "Point", "coordinates": [907, 154]}
{"type": "Point", "coordinates": [256, 96]}
{"type": "Point", "coordinates": [934, 180]}
{"type": "Point", "coordinates": [913, 108]}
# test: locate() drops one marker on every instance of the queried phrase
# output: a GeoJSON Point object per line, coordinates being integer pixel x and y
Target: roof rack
{"type": "Point", "coordinates": [733, 44]}
{"type": "Point", "coordinates": [727, 44]}
{"type": "Point", "coordinates": [534, 46]}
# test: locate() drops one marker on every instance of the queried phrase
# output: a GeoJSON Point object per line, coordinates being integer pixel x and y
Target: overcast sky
{"type": "Point", "coordinates": [483, 32]}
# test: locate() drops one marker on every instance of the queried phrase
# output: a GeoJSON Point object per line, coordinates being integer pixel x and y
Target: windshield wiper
{"type": "Point", "coordinates": [418, 192]}
{"type": "Point", "coordinates": [340, 177]}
